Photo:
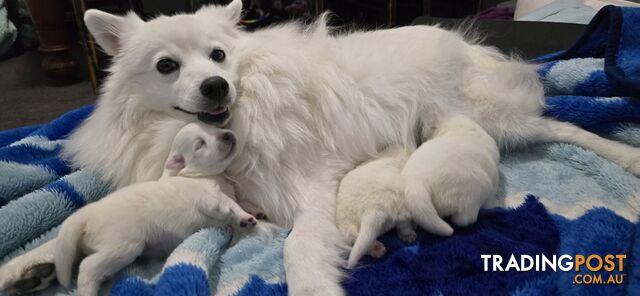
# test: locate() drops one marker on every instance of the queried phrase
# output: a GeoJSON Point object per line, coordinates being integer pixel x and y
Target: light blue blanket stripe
{"type": "Point", "coordinates": [201, 251]}
{"type": "Point", "coordinates": [37, 166]}
{"type": "Point", "coordinates": [203, 261]}
{"type": "Point", "coordinates": [628, 133]}
{"type": "Point", "coordinates": [547, 170]}
{"type": "Point", "coordinates": [17, 179]}
{"type": "Point", "coordinates": [563, 77]}
{"type": "Point", "coordinates": [192, 268]}
{"type": "Point", "coordinates": [252, 257]}
{"type": "Point", "coordinates": [38, 241]}
{"type": "Point", "coordinates": [28, 217]}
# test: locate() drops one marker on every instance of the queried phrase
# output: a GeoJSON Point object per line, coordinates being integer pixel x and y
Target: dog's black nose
{"type": "Point", "coordinates": [228, 137]}
{"type": "Point", "coordinates": [215, 88]}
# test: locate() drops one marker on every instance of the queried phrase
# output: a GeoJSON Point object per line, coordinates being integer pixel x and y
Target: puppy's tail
{"type": "Point", "coordinates": [370, 227]}
{"type": "Point", "coordinates": [67, 247]}
{"type": "Point", "coordinates": [422, 210]}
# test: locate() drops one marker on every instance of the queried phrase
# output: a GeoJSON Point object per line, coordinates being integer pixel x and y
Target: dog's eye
{"type": "Point", "coordinates": [166, 66]}
{"type": "Point", "coordinates": [218, 55]}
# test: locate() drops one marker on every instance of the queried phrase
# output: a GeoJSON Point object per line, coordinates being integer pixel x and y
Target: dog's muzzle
{"type": "Point", "coordinates": [215, 89]}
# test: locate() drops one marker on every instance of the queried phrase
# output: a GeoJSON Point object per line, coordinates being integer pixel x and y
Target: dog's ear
{"type": "Point", "coordinates": [234, 10]}
{"type": "Point", "coordinates": [175, 164]}
{"type": "Point", "coordinates": [108, 29]}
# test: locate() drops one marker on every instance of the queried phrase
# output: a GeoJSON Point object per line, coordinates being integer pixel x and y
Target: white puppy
{"type": "Point", "coordinates": [371, 200]}
{"type": "Point", "coordinates": [152, 218]}
{"type": "Point", "coordinates": [457, 169]}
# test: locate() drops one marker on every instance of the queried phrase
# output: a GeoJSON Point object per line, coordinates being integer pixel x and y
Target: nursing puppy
{"type": "Point", "coordinates": [152, 218]}
{"type": "Point", "coordinates": [457, 170]}
{"type": "Point", "coordinates": [306, 106]}
{"type": "Point", "coordinates": [371, 201]}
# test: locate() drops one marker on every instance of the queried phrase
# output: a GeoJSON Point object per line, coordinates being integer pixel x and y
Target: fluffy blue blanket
{"type": "Point", "coordinates": [559, 200]}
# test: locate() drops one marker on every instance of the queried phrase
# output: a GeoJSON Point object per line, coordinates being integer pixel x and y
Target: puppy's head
{"type": "Point", "coordinates": [199, 150]}
{"type": "Point", "coordinates": [181, 65]}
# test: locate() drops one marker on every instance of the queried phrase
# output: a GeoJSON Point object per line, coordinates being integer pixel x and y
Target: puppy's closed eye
{"type": "Point", "coordinates": [199, 144]}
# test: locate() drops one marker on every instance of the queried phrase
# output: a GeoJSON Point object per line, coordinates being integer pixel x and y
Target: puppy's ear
{"type": "Point", "coordinates": [108, 29]}
{"type": "Point", "coordinates": [234, 10]}
{"type": "Point", "coordinates": [175, 163]}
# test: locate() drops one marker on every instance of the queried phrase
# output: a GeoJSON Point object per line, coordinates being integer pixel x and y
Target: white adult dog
{"type": "Point", "coordinates": [306, 107]}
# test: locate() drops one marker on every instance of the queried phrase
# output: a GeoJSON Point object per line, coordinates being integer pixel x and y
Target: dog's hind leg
{"type": "Point", "coordinates": [628, 157]}
{"type": "Point", "coordinates": [421, 207]}
{"type": "Point", "coordinates": [99, 266]}
{"type": "Point", "coordinates": [406, 233]}
{"type": "Point", "coordinates": [465, 217]}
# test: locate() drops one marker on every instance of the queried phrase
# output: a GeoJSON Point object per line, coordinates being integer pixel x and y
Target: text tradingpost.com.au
{"type": "Point", "coordinates": [590, 269]}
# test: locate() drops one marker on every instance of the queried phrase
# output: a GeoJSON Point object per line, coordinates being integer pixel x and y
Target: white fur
{"type": "Point", "coordinates": [457, 170]}
{"type": "Point", "coordinates": [307, 107]}
{"type": "Point", "coordinates": [371, 200]}
{"type": "Point", "coordinates": [153, 217]}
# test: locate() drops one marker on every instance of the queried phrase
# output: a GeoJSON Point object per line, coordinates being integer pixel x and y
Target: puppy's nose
{"type": "Point", "coordinates": [215, 88]}
{"type": "Point", "coordinates": [228, 137]}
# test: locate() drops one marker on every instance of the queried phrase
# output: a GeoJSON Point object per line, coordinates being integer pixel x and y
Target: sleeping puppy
{"type": "Point", "coordinates": [456, 173]}
{"type": "Point", "coordinates": [371, 200]}
{"type": "Point", "coordinates": [152, 218]}
{"type": "Point", "coordinates": [457, 169]}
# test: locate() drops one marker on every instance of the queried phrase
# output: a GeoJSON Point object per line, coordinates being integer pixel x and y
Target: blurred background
{"type": "Point", "coordinates": [49, 64]}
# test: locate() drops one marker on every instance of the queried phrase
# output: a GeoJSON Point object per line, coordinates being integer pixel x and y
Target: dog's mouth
{"type": "Point", "coordinates": [217, 116]}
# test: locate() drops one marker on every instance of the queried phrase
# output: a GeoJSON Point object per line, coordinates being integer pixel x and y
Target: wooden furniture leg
{"type": "Point", "coordinates": [48, 19]}
{"type": "Point", "coordinates": [392, 13]}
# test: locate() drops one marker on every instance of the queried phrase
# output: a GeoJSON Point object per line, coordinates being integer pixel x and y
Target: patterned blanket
{"type": "Point", "coordinates": [558, 200]}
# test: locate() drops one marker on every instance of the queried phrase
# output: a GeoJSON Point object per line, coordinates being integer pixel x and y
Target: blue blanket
{"type": "Point", "coordinates": [558, 199]}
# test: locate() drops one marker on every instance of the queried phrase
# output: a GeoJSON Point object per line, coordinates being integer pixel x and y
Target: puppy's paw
{"type": "Point", "coordinates": [259, 215]}
{"type": "Point", "coordinates": [408, 237]}
{"type": "Point", "coordinates": [378, 250]}
{"type": "Point", "coordinates": [17, 278]}
{"type": "Point", "coordinates": [247, 220]}
{"type": "Point", "coordinates": [253, 210]}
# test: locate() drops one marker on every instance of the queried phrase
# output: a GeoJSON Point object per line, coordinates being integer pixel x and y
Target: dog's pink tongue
{"type": "Point", "coordinates": [218, 110]}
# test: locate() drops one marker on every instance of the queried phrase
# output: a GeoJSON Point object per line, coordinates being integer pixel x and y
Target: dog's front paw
{"type": "Point", "coordinates": [16, 278]}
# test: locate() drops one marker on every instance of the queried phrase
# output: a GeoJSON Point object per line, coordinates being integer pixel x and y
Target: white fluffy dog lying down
{"type": "Point", "coordinates": [457, 171]}
{"type": "Point", "coordinates": [306, 107]}
{"type": "Point", "coordinates": [152, 218]}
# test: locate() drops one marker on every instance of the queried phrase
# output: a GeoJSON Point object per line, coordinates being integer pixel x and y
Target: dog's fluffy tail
{"type": "Point", "coordinates": [422, 210]}
{"type": "Point", "coordinates": [370, 227]}
{"type": "Point", "coordinates": [624, 155]}
{"type": "Point", "coordinates": [67, 247]}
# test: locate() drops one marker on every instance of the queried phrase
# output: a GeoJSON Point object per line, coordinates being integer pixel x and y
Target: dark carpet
{"type": "Point", "coordinates": [27, 97]}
